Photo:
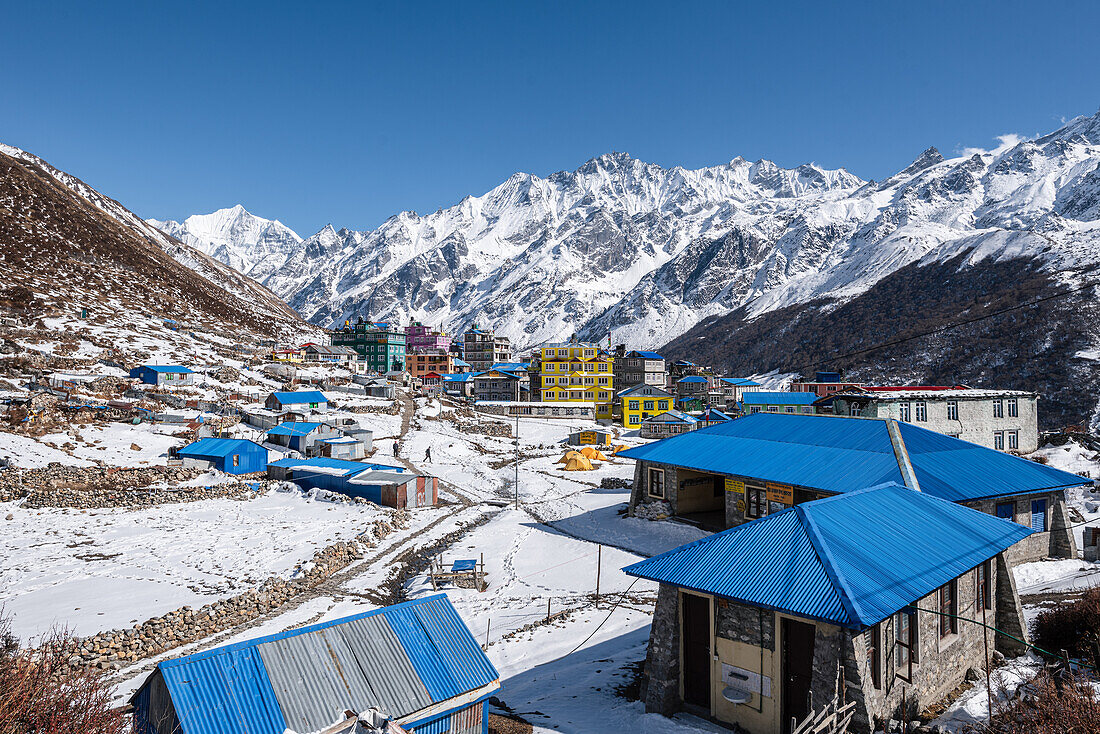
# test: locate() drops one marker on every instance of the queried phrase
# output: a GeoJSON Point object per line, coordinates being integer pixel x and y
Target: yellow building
{"type": "Point", "coordinates": [577, 372]}
{"type": "Point", "coordinates": [288, 355]}
{"type": "Point", "coordinates": [643, 401]}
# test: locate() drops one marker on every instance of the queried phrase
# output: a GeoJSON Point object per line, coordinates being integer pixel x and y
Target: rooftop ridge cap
{"type": "Point", "coordinates": [825, 558]}
{"type": "Point", "coordinates": [901, 453]}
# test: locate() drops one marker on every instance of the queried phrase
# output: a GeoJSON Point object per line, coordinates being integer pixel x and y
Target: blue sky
{"type": "Point", "coordinates": [349, 112]}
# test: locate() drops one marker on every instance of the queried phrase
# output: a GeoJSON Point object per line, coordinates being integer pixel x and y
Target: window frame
{"type": "Point", "coordinates": [998, 408]}
{"type": "Point", "coordinates": [756, 497]}
{"type": "Point", "coordinates": [653, 473]}
{"type": "Point", "coordinates": [948, 601]}
{"type": "Point", "coordinates": [952, 410]}
{"type": "Point", "coordinates": [904, 411]}
{"type": "Point", "coordinates": [920, 411]}
{"type": "Point", "coordinates": [999, 440]}
{"type": "Point", "coordinates": [1013, 408]}
{"type": "Point", "coordinates": [873, 643]}
{"type": "Point", "coordinates": [1012, 440]}
{"type": "Point", "coordinates": [982, 597]}
{"type": "Point", "coordinates": [905, 648]}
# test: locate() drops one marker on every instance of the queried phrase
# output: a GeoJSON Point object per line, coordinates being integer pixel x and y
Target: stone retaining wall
{"type": "Point", "coordinates": [115, 649]}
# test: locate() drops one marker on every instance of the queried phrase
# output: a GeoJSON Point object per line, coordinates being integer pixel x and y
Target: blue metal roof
{"type": "Point", "coordinates": [713, 414]}
{"type": "Point", "coordinates": [350, 467]}
{"type": "Point", "coordinates": [692, 378]}
{"type": "Point", "coordinates": [220, 447]}
{"type": "Point", "coordinates": [458, 362]}
{"type": "Point", "coordinates": [302, 396]}
{"type": "Point", "coordinates": [663, 417]}
{"type": "Point", "coordinates": [401, 658]}
{"type": "Point", "coordinates": [764, 397]}
{"type": "Point", "coordinates": [293, 428]}
{"type": "Point", "coordinates": [852, 560]}
{"type": "Point", "coordinates": [460, 377]}
{"type": "Point", "coordinates": [646, 355]}
{"type": "Point", "coordinates": [740, 382]}
{"type": "Point", "coordinates": [840, 454]}
{"type": "Point", "coordinates": [175, 369]}
{"type": "Point", "coordinates": [511, 366]}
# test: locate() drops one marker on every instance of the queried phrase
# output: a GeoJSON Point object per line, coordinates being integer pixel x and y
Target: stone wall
{"type": "Point", "coordinates": [661, 682]}
{"type": "Point", "coordinates": [1057, 542]}
{"type": "Point", "coordinates": [90, 487]}
{"type": "Point", "coordinates": [487, 428]}
{"type": "Point", "coordinates": [115, 649]}
{"type": "Point", "coordinates": [743, 623]}
{"type": "Point", "coordinates": [640, 494]}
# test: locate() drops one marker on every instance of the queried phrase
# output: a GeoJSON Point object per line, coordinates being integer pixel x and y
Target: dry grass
{"type": "Point", "coordinates": [1070, 626]}
{"type": "Point", "coordinates": [1072, 708]}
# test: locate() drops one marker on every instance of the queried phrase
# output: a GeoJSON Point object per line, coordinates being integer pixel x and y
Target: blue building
{"type": "Point", "coordinates": [230, 455]}
{"type": "Point", "coordinates": [392, 486]}
{"type": "Point", "coordinates": [300, 400]}
{"type": "Point", "coordinates": [416, 662]}
{"type": "Point", "coordinates": [733, 472]}
{"type": "Point", "coordinates": [163, 374]}
{"type": "Point", "coordinates": [767, 401]}
{"type": "Point", "coordinates": [881, 593]}
{"type": "Point", "coordinates": [300, 436]}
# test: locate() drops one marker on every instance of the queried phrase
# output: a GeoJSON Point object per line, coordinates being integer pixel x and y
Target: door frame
{"type": "Point", "coordinates": [781, 650]}
{"type": "Point", "coordinates": [710, 648]}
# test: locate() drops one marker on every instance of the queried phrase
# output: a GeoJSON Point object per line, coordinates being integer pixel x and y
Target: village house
{"type": "Point", "coordinates": [391, 486]}
{"type": "Point", "coordinates": [229, 455]}
{"type": "Point", "coordinates": [416, 661]}
{"type": "Point", "coordinates": [824, 384]}
{"type": "Point", "coordinates": [380, 347]}
{"type": "Point", "coordinates": [670, 423]}
{"type": "Point", "coordinates": [639, 368]}
{"type": "Point", "coordinates": [640, 402]}
{"type": "Point", "coordinates": [289, 354]}
{"type": "Point", "coordinates": [576, 372]}
{"type": "Point", "coordinates": [163, 375]}
{"type": "Point", "coordinates": [421, 363]}
{"type": "Point", "coordinates": [332, 355]}
{"type": "Point", "coordinates": [300, 436]}
{"type": "Point", "coordinates": [767, 401]}
{"type": "Point", "coordinates": [528, 409]}
{"type": "Point", "coordinates": [693, 386]}
{"type": "Point", "coordinates": [482, 349]}
{"type": "Point", "coordinates": [460, 365]}
{"type": "Point", "coordinates": [421, 339]}
{"type": "Point", "coordinates": [498, 385]}
{"type": "Point", "coordinates": [768, 621]}
{"type": "Point", "coordinates": [734, 472]}
{"type": "Point", "coordinates": [731, 390]}
{"type": "Point", "coordinates": [1005, 420]}
{"type": "Point", "coordinates": [459, 385]}
{"type": "Point", "coordinates": [683, 368]}
{"type": "Point", "coordinates": [302, 401]}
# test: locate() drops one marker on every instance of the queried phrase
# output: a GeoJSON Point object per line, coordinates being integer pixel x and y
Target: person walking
{"type": "Point", "coordinates": [395, 449]}
{"type": "Point", "coordinates": [428, 455]}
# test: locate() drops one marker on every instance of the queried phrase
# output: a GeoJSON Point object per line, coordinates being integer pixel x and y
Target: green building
{"type": "Point", "coordinates": [380, 346]}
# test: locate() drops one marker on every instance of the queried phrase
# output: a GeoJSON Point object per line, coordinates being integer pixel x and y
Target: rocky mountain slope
{"type": "Point", "coordinates": [65, 247]}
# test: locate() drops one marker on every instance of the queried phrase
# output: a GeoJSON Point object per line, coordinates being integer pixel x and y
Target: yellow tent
{"type": "Point", "coordinates": [589, 452]}
{"type": "Point", "coordinates": [578, 463]}
{"type": "Point", "coordinates": [567, 456]}
{"type": "Point", "coordinates": [598, 457]}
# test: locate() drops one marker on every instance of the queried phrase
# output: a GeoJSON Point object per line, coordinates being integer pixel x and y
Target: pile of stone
{"type": "Point", "coordinates": [487, 428]}
{"type": "Point", "coordinates": [392, 409]}
{"type": "Point", "coordinates": [226, 374]}
{"type": "Point", "coordinates": [616, 483]}
{"type": "Point", "coordinates": [116, 648]}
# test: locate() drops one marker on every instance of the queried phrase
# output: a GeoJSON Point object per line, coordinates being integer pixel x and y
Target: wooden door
{"type": "Point", "coordinates": [695, 620]}
{"type": "Point", "coordinates": [798, 666]}
{"type": "Point", "coordinates": [420, 499]}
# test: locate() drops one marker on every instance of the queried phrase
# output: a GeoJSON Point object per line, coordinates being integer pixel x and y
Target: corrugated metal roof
{"type": "Point", "coordinates": [764, 397]}
{"type": "Point", "coordinates": [692, 378]}
{"type": "Point", "coordinates": [840, 454]}
{"type": "Point", "coordinates": [852, 560]}
{"type": "Point", "coordinates": [302, 396]}
{"type": "Point", "coordinates": [401, 658]}
{"type": "Point", "coordinates": [646, 355]}
{"type": "Point", "coordinates": [739, 381]}
{"type": "Point", "coordinates": [673, 414]}
{"type": "Point", "coordinates": [349, 467]}
{"type": "Point", "coordinates": [175, 369]}
{"type": "Point", "coordinates": [293, 428]}
{"type": "Point", "coordinates": [220, 447]}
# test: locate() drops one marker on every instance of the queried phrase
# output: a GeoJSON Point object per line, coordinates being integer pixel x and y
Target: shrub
{"type": "Point", "coordinates": [1071, 626]}
{"type": "Point", "coordinates": [1043, 707]}
{"type": "Point", "coordinates": [41, 694]}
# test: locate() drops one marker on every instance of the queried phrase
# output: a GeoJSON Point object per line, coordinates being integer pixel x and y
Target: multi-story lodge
{"type": "Point", "coordinates": [482, 349]}
{"type": "Point", "coordinates": [421, 363]}
{"type": "Point", "coordinates": [380, 346]}
{"type": "Point", "coordinates": [824, 384]}
{"type": "Point", "coordinates": [420, 339]}
{"type": "Point", "coordinates": [1006, 420]}
{"type": "Point", "coordinates": [576, 372]}
{"type": "Point", "coordinates": [639, 368]}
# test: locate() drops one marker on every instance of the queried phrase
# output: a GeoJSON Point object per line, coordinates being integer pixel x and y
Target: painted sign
{"type": "Point", "coordinates": [732, 485]}
{"type": "Point", "coordinates": [781, 493]}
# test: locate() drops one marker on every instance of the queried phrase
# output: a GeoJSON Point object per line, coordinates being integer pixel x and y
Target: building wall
{"type": "Point", "coordinates": [634, 410]}
{"type": "Point", "coordinates": [976, 422]}
{"type": "Point", "coordinates": [1055, 542]}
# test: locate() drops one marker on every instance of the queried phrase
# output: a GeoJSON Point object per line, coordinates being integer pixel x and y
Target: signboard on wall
{"type": "Point", "coordinates": [781, 493]}
{"type": "Point", "coordinates": [746, 680]}
{"type": "Point", "coordinates": [732, 485]}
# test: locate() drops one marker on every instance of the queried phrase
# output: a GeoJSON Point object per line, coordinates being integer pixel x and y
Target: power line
{"type": "Point", "coordinates": [941, 329]}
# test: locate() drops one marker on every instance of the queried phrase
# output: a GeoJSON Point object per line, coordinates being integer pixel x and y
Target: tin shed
{"type": "Point", "coordinates": [230, 455]}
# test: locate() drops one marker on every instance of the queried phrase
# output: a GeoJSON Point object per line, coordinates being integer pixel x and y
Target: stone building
{"type": "Point", "coordinates": [1005, 420]}
{"type": "Point", "coordinates": [482, 349]}
{"type": "Point", "coordinates": [760, 624]}
{"type": "Point", "coordinates": [639, 368]}
{"type": "Point", "coordinates": [500, 385]}
{"type": "Point", "coordinates": [760, 464]}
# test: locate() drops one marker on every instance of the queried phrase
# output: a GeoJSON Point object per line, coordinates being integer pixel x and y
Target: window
{"type": "Point", "coordinates": [756, 501]}
{"type": "Point", "coordinates": [1006, 511]}
{"type": "Point", "coordinates": [806, 409]}
{"type": "Point", "coordinates": [633, 405]}
{"type": "Point", "coordinates": [603, 380]}
{"type": "Point", "coordinates": [634, 420]}
{"type": "Point", "coordinates": [1039, 515]}
{"type": "Point", "coordinates": [921, 412]}
{"type": "Point", "coordinates": [648, 405]}
{"type": "Point", "coordinates": [854, 410]}
{"type": "Point", "coordinates": [657, 483]}
{"type": "Point", "coordinates": [790, 408]}
{"type": "Point", "coordinates": [998, 408]}
{"type": "Point", "coordinates": [1013, 440]}
{"type": "Point", "coordinates": [981, 587]}
{"type": "Point", "coordinates": [773, 408]}
{"type": "Point", "coordinates": [1013, 408]}
{"type": "Point", "coordinates": [755, 409]}
{"type": "Point", "coordinates": [603, 367]}
{"type": "Point", "coordinates": [874, 658]}
{"type": "Point", "coordinates": [551, 367]}
{"type": "Point", "coordinates": [999, 440]}
{"type": "Point", "coordinates": [662, 405]}
{"type": "Point", "coordinates": [903, 412]}
{"type": "Point", "coordinates": [905, 645]}
{"type": "Point", "coordinates": [952, 410]}
{"type": "Point", "coordinates": [236, 459]}
{"type": "Point", "coordinates": [949, 605]}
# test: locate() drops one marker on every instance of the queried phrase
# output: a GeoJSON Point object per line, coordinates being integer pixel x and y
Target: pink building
{"type": "Point", "coordinates": [420, 339]}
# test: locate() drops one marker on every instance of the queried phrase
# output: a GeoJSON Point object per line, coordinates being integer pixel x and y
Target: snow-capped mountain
{"type": "Point", "coordinates": [249, 244]}
{"type": "Point", "coordinates": [645, 252]}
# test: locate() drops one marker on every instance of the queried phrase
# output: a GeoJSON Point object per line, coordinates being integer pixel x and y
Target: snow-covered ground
{"type": "Point", "coordinates": [104, 569]}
